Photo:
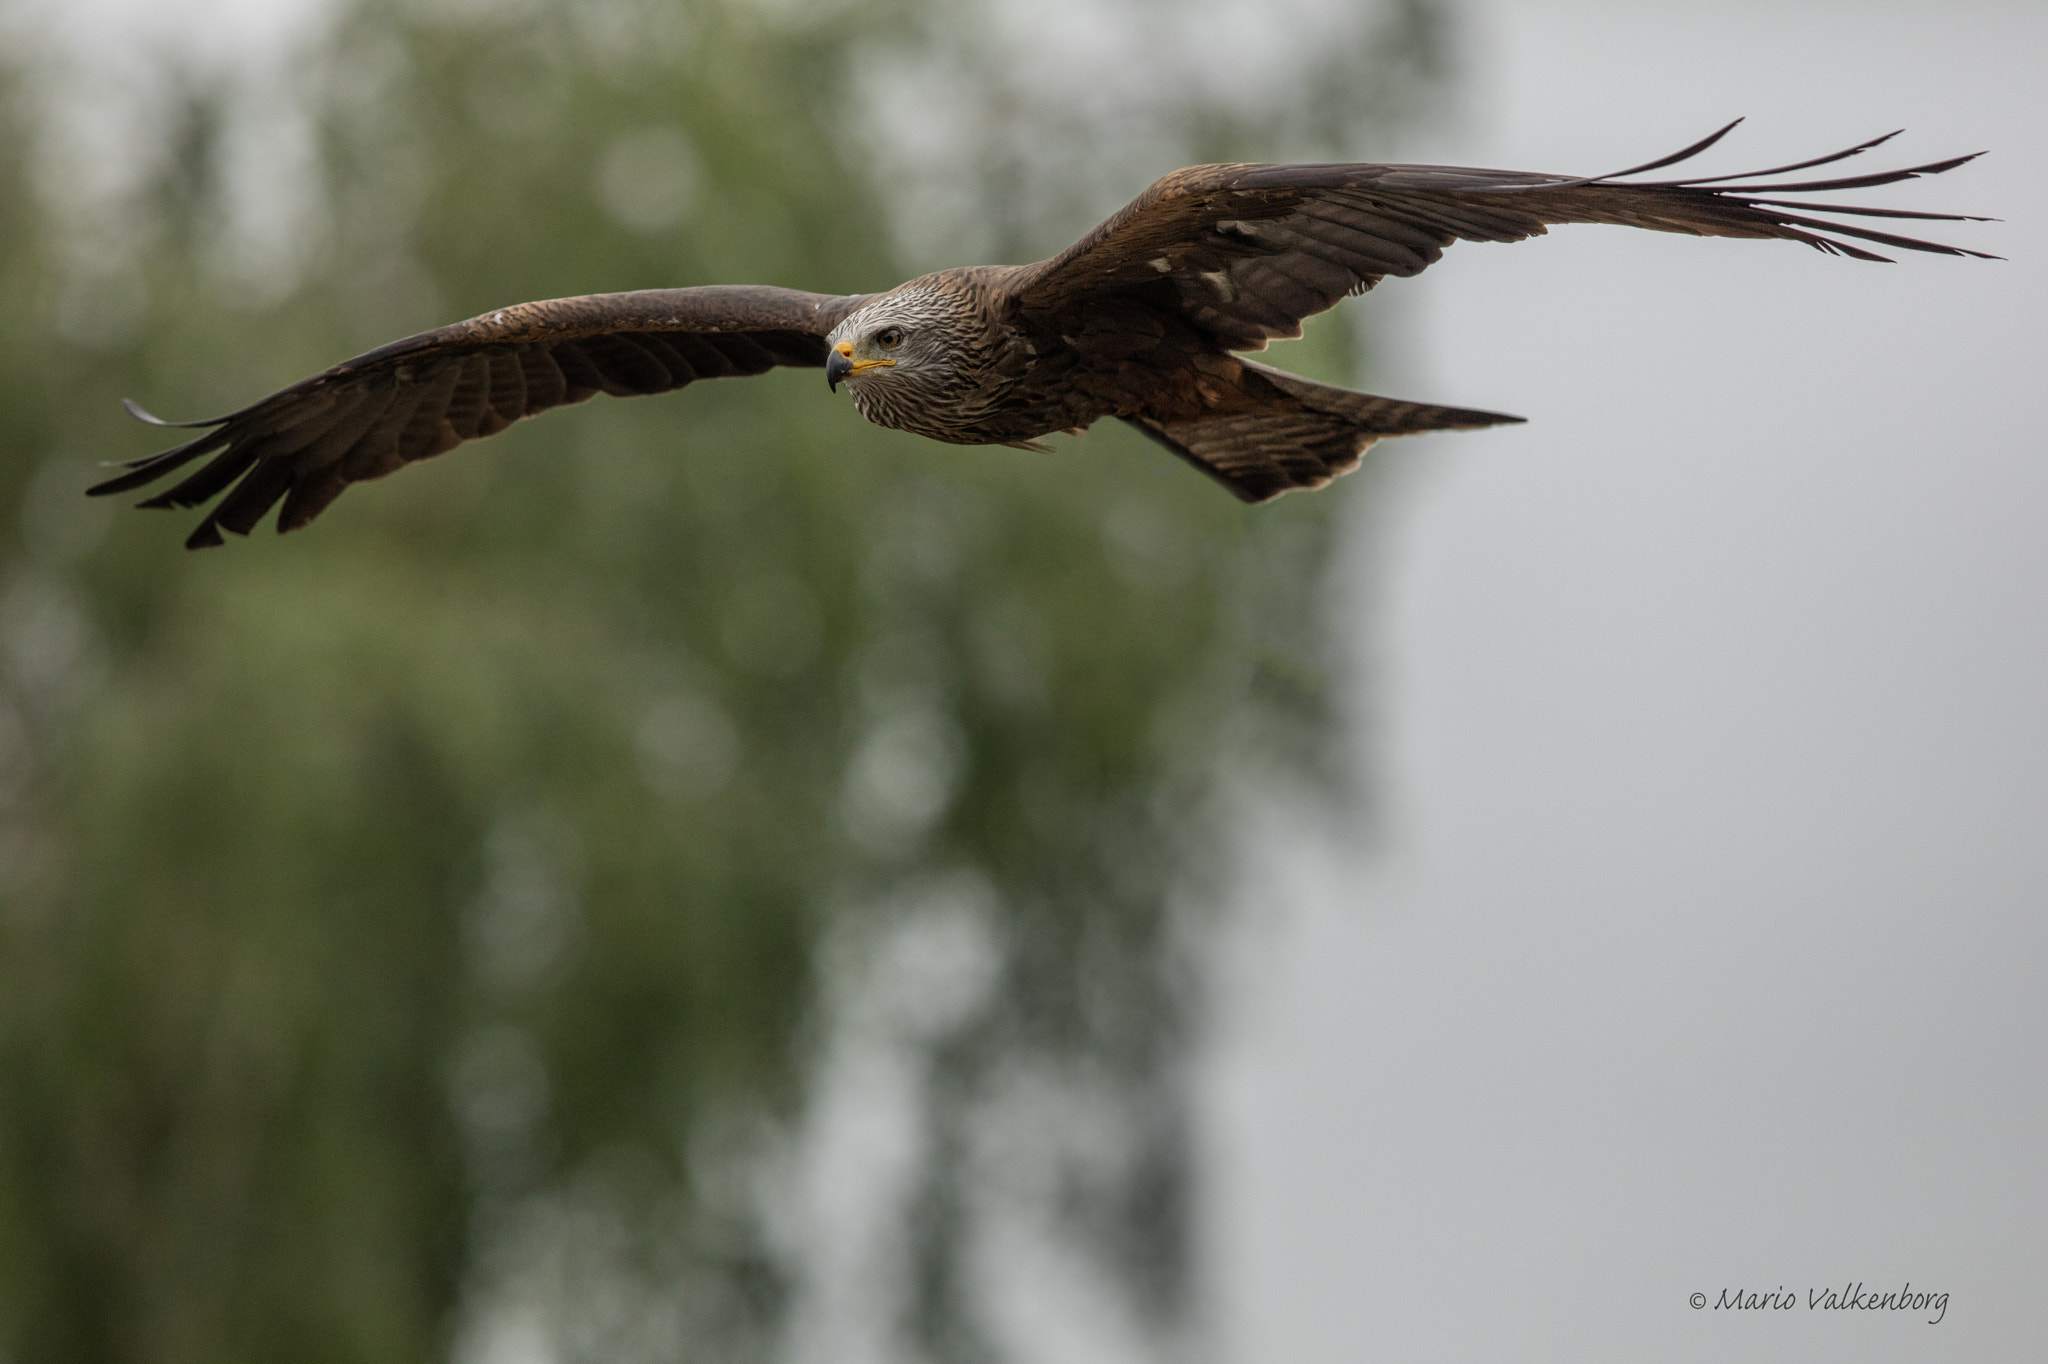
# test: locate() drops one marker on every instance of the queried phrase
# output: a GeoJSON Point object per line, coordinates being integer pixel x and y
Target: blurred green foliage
{"type": "Point", "coordinates": [361, 892]}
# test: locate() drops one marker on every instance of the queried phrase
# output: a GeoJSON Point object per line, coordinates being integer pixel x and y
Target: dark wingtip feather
{"type": "Point", "coordinates": [1883, 238]}
{"type": "Point", "coordinates": [1843, 155]}
{"type": "Point", "coordinates": [1862, 212]}
{"type": "Point", "coordinates": [1684, 154]}
{"type": "Point", "coordinates": [150, 468]}
{"type": "Point", "coordinates": [213, 476]}
{"type": "Point", "coordinates": [1830, 247]}
{"type": "Point", "coordinates": [121, 483]}
{"type": "Point", "coordinates": [1849, 181]}
{"type": "Point", "coordinates": [1727, 189]}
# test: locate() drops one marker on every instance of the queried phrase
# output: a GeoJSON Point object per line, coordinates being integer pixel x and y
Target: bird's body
{"type": "Point", "coordinates": [998, 374]}
{"type": "Point", "coordinates": [1141, 320]}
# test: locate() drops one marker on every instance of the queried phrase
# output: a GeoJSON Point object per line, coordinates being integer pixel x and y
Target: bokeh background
{"type": "Point", "coordinates": [1700, 942]}
{"type": "Point", "coordinates": [705, 878]}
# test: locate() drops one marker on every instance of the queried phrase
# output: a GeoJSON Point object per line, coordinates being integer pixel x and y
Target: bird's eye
{"type": "Point", "coordinates": [889, 338]}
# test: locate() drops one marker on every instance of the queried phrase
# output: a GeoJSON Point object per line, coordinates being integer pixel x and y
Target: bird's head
{"type": "Point", "coordinates": [906, 340]}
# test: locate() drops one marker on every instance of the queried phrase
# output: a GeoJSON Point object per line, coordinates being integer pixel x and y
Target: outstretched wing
{"type": "Point", "coordinates": [429, 393]}
{"type": "Point", "coordinates": [1247, 251]}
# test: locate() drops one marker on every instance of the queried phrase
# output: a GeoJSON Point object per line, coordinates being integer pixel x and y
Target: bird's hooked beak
{"type": "Point", "coordinates": [840, 364]}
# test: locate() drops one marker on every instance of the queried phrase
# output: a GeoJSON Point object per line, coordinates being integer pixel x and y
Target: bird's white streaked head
{"type": "Point", "coordinates": [906, 340]}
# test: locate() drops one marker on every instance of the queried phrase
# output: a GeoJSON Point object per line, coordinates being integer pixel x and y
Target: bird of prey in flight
{"type": "Point", "coordinates": [1141, 320]}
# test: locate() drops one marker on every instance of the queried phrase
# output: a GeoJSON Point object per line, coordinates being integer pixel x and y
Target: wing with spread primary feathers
{"type": "Point", "coordinates": [429, 393]}
{"type": "Point", "coordinates": [1247, 251]}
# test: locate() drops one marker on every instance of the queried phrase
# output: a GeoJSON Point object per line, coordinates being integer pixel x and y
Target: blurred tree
{"type": "Point", "coordinates": [412, 934]}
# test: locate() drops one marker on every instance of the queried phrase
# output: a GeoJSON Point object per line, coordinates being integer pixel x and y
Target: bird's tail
{"type": "Point", "coordinates": [1303, 436]}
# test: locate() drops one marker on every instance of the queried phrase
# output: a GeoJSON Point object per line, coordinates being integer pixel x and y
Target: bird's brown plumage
{"type": "Point", "coordinates": [1137, 320]}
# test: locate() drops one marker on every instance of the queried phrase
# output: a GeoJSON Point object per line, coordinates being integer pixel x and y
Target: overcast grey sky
{"type": "Point", "coordinates": [1701, 944]}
